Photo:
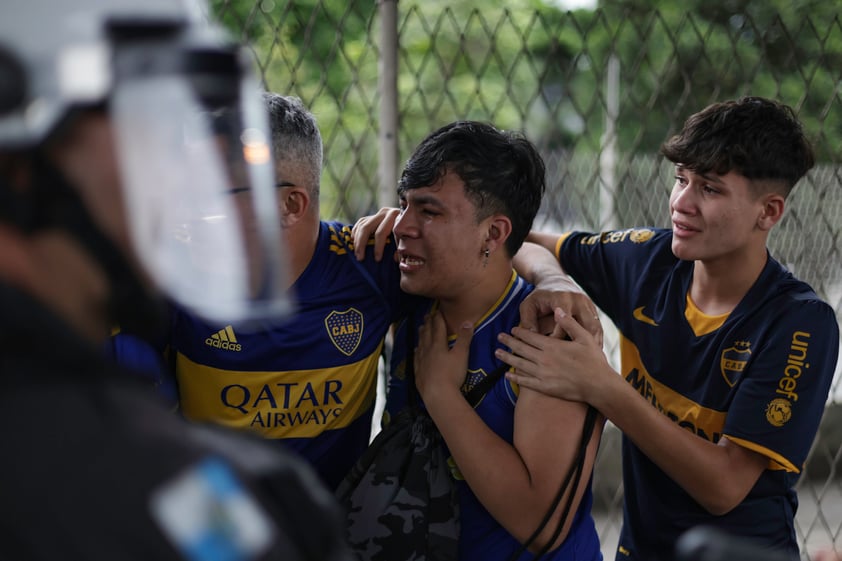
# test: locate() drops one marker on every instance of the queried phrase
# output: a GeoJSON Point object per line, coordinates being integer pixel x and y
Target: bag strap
{"type": "Point", "coordinates": [475, 395]}
{"type": "Point", "coordinates": [574, 473]}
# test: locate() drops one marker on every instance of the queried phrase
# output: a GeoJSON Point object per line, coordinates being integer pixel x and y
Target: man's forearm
{"type": "Point", "coordinates": [538, 265]}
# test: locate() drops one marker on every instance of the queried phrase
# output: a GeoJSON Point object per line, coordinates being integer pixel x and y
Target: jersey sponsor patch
{"type": "Point", "coordinates": [685, 412]}
{"type": "Point", "coordinates": [634, 235]}
{"type": "Point", "coordinates": [209, 516]}
{"type": "Point", "coordinates": [292, 404]}
{"type": "Point", "coordinates": [778, 412]}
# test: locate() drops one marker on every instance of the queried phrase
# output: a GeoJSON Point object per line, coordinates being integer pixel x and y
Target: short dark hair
{"type": "Point", "coordinates": [758, 138]}
{"type": "Point", "coordinates": [502, 172]}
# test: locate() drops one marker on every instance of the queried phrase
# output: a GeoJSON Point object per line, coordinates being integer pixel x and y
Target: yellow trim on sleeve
{"type": "Point", "coordinates": [776, 461]}
{"type": "Point", "coordinates": [558, 243]}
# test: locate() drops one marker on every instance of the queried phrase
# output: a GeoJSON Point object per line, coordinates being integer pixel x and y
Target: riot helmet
{"type": "Point", "coordinates": [191, 142]}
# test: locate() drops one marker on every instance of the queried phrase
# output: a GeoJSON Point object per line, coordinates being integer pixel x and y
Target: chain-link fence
{"type": "Point", "coordinates": [597, 91]}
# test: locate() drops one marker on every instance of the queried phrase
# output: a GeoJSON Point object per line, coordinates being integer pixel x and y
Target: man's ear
{"type": "Point", "coordinates": [294, 204]}
{"type": "Point", "coordinates": [771, 212]}
{"type": "Point", "coordinates": [499, 230]}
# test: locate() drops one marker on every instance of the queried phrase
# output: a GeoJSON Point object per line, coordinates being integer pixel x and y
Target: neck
{"type": "Point", "coordinates": [718, 287]}
{"type": "Point", "coordinates": [471, 304]}
{"type": "Point", "coordinates": [300, 243]}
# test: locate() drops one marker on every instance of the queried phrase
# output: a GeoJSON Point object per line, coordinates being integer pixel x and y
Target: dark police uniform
{"type": "Point", "coordinates": [95, 466]}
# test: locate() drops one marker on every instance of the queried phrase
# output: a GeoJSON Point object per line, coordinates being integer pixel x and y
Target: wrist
{"type": "Point", "coordinates": [608, 388]}
{"type": "Point", "coordinates": [556, 282]}
{"type": "Point", "coordinates": [437, 396]}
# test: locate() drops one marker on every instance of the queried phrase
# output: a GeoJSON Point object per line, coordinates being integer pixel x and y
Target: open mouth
{"type": "Point", "coordinates": [408, 261]}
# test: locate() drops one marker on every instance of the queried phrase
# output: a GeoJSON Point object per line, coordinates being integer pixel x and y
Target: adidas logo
{"type": "Point", "coordinates": [224, 339]}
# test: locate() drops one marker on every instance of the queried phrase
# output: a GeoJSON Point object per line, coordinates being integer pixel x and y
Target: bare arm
{"type": "Point", "coordinates": [578, 370]}
{"type": "Point", "coordinates": [553, 289]}
{"type": "Point", "coordinates": [515, 483]}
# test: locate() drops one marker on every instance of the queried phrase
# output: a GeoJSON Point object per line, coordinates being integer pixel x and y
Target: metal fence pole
{"type": "Point", "coordinates": [388, 86]}
{"type": "Point", "coordinates": [608, 151]}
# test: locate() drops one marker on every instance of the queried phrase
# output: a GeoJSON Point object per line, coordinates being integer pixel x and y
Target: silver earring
{"type": "Point", "coordinates": [486, 253]}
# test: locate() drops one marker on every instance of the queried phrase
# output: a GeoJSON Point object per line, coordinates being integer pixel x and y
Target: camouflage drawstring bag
{"type": "Point", "coordinates": [400, 497]}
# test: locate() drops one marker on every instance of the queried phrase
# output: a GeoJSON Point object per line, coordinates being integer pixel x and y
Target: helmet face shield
{"type": "Point", "coordinates": [198, 181]}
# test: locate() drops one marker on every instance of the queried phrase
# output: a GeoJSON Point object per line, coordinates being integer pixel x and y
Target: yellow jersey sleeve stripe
{"type": "Point", "coordinates": [776, 461]}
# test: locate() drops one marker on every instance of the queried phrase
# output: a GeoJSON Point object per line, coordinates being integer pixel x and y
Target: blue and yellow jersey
{"type": "Point", "coordinates": [481, 536]}
{"type": "Point", "coordinates": [759, 376]}
{"type": "Point", "coordinates": [311, 380]}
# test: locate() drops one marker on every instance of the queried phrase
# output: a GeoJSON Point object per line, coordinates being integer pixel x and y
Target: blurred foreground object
{"type": "Point", "coordinates": [709, 544]}
{"type": "Point", "coordinates": [129, 131]}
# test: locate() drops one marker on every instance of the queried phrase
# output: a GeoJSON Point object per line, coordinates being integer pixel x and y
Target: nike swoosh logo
{"type": "Point", "coordinates": [640, 316]}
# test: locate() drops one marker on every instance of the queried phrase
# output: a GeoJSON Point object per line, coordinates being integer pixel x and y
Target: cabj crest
{"type": "Point", "coordinates": [733, 361]}
{"type": "Point", "coordinates": [345, 329]}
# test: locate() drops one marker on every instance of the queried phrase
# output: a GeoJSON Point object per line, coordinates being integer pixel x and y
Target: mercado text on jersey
{"type": "Point", "coordinates": [481, 536]}
{"type": "Point", "coordinates": [759, 376]}
{"type": "Point", "coordinates": [309, 380]}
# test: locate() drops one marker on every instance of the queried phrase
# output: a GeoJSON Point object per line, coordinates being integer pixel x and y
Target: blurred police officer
{"type": "Point", "coordinates": [125, 128]}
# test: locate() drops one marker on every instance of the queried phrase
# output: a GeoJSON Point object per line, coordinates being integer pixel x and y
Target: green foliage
{"type": "Point", "coordinates": [525, 64]}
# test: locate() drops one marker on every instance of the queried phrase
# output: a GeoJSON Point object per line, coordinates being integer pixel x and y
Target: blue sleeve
{"type": "Point", "coordinates": [383, 275]}
{"type": "Point", "coordinates": [610, 266]}
{"type": "Point", "coordinates": [781, 400]}
{"type": "Point", "coordinates": [144, 360]}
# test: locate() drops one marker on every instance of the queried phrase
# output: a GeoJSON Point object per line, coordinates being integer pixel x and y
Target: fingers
{"type": "Point", "coordinates": [521, 341]}
{"type": "Point", "coordinates": [520, 364]}
{"type": "Point", "coordinates": [569, 325]}
{"type": "Point", "coordinates": [524, 372]}
{"type": "Point", "coordinates": [558, 331]}
{"type": "Point", "coordinates": [527, 351]}
{"type": "Point", "coordinates": [426, 333]}
{"type": "Point", "coordinates": [529, 315]}
{"type": "Point", "coordinates": [525, 381]}
{"type": "Point", "coordinates": [538, 304]}
{"type": "Point", "coordinates": [381, 238]}
{"type": "Point", "coordinates": [379, 226]}
{"type": "Point", "coordinates": [584, 311]}
{"type": "Point", "coordinates": [536, 308]}
{"type": "Point", "coordinates": [361, 232]}
{"type": "Point", "coordinates": [433, 334]}
{"type": "Point", "coordinates": [590, 321]}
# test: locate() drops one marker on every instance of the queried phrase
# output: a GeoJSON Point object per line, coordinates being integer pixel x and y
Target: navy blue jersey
{"type": "Point", "coordinates": [310, 380]}
{"type": "Point", "coordinates": [759, 376]}
{"type": "Point", "coordinates": [481, 537]}
{"type": "Point", "coordinates": [145, 360]}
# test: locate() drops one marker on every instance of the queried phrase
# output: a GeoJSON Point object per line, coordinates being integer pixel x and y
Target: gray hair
{"type": "Point", "coordinates": [295, 135]}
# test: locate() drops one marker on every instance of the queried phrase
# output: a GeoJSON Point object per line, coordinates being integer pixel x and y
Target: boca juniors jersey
{"type": "Point", "coordinates": [309, 380]}
{"type": "Point", "coordinates": [481, 537]}
{"type": "Point", "coordinates": [758, 376]}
